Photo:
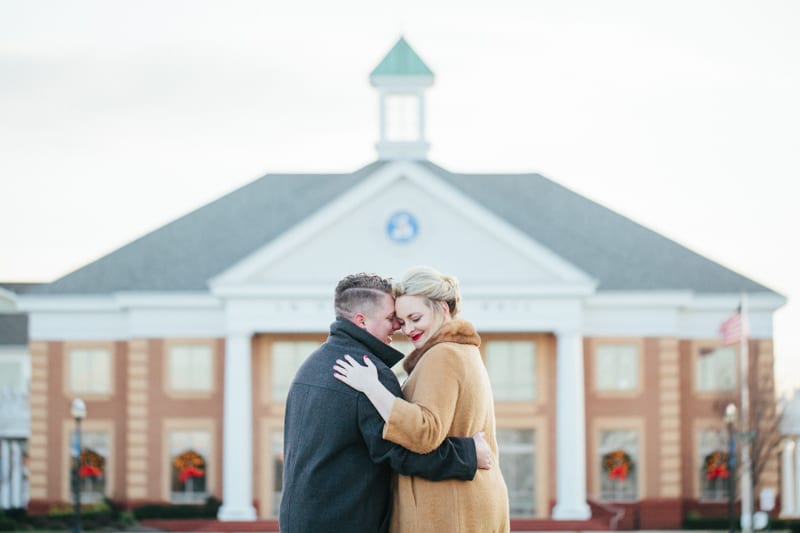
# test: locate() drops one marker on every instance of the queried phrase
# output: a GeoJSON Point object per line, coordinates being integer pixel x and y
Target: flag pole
{"type": "Point", "coordinates": [747, 483]}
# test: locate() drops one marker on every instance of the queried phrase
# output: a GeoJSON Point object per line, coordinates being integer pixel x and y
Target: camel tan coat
{"type": "Point", "coordinates": [447, 395]}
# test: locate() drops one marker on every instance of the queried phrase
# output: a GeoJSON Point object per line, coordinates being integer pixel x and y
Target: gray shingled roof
{"type": "Point", "coordinates": [618, 252]}
{"type": "Point", "coordinates": [13, 329]}
{"type": "Point", "coordinates": [183, 255]}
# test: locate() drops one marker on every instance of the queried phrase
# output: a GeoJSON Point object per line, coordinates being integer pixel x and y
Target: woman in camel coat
{"type": "Point", "coordinates": [447, 394]}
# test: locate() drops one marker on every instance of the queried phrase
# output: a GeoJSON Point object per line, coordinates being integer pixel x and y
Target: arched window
{"type": "Point", "coordinates": [188, 477]}
{"type": "Point", "coordinates": [714, 476]}
{"type": "Point", "coordinates": [93, 466]}
{"type": "Point", "coordinates": [619, 450]}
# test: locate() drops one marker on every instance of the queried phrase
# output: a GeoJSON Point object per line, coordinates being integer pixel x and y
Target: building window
{"type": "Point", "coordinates": [716, 370]}
{"type": "Point", "coordinates": [287, 356]}
{"type": "Point", "coordinates": [512, 370]}
{"type": "Point", "coordinates": [11, 376]}
{"type": "Point", "coordinates": [402, 117]}
{"type": "Point", "coordinates": [93, 468]}
{"type": "Point", "coordinates": [188, 455]}
{"type": "Point", "coordinates": [616, 367]}
{"type": "Point", "coordinates": [618, 451]}
{"type": "Point", "coordinates": [517, 448]}
{"type": "Point", "coordinates": [190, 368]}
{"type": "Point", "coordinates": [90, 370]}
{"type": "Point", "coordinates": [277, 470]}
{"type": "Point", "coordinates": [713, 458]}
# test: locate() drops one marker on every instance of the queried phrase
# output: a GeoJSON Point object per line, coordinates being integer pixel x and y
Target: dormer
{"type": "Point", "coordinates": [401, 79]}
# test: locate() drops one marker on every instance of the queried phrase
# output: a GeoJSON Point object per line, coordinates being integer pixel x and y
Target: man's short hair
{"type": "Point", "coordinates": [360, 293]}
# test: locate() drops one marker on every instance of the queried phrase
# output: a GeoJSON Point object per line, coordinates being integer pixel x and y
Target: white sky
{"type": "Point", "coordinates": [117, 117]}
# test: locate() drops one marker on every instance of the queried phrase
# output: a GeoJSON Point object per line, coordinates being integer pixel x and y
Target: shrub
{"type": "Point", "coordinates": [208, 510]}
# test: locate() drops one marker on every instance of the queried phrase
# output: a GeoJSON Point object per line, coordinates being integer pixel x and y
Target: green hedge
{"type": "Point", "coordinates": [6, 523]}
{"type": "Point", "coordinates": [721, 522]}
{"type": "Point", "coordinates": [101, 515]}
{"type": "Point", "coordinates": [207, 510]}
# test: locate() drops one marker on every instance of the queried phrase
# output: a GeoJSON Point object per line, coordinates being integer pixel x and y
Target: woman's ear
{"type": "Point", "coordinates": [360, 320]}
{"type": "Point", "coordinates": [445, 310]}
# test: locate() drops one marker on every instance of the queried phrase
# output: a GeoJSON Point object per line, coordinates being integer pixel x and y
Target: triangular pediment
{"type": "Point", "coordinates": [402, 216]}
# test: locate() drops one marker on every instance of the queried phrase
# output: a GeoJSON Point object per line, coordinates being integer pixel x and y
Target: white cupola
{"type": "Point", "coordinates": [401, 79]}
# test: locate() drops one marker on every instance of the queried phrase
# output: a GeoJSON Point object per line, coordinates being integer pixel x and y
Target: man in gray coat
{"type": "Point", "coordinates": [337, 468]}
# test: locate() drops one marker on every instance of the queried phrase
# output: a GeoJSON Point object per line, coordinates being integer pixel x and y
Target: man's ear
{"type": "Point", "coordinates": [360, 320]}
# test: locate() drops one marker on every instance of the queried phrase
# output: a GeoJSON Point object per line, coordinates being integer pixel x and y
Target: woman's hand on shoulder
{"type": "Point", "coordinates": [357, 376]}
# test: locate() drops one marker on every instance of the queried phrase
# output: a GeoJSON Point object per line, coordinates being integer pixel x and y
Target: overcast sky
{"type": "Point", "coordinates": [117, 117]}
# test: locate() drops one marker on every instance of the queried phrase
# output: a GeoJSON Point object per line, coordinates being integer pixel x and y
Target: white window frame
{"type": "Point", "coordinates": [198, 385]}
{"type": "Point", "coordinates": [630, 490]}
{"type": "Point", "coordinates": [89, 440]}
{"type": "Point", "coordinates": [174, 450]}
{"type": "Point", "coordinates": [499, 389]}
{"type": "Point", "coordinates": [708, 441]}
{"type": "Point", "coordinates": [18, 357]}
{"type": "Point", "coordinates": [709, 366]}
{"type": "Point", "coordinates": [286, 369]}
{"type": "Point", "coordinates": [504, 450]}
{"type": "Point", "coordinates": [101, 383]}
{"type": "Point", "coordinates": [613, 354]}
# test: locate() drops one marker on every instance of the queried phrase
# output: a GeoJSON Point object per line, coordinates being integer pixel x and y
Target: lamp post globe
{"type": "Point", "coordinates": [730, 413]}
{"type": "Point", "coordinates": [730, 419]}
{"type": "Point", "coordinates": [78, 409]}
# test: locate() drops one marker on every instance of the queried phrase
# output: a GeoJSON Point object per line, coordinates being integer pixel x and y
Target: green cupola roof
{"type": "Point", "coordinates": [401, 60]}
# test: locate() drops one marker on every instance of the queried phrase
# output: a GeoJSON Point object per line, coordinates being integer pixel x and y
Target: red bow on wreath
{"type": "Point", "coordinates": [188, 472]}
{"type": "Point", "coordinates": [716, 465]}
{"type": "Point", "coordinates": [618, 464]}
{"type": "Point", "coordinates": [89, 471]}
{"type": "Point", "coordinates": [719, 471]}
{"type": "Point", "coordinates": [619, 472]}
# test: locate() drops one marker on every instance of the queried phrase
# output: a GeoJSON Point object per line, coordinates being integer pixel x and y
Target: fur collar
{"type": "Point", "coordinates": [456, 330]}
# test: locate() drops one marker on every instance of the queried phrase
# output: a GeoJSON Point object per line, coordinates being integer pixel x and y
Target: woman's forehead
{"type": "Point", "coordinates": [408, 304]}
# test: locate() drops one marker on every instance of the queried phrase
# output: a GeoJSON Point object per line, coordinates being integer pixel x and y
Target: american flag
{"type": "Point", "coordinates": [733, 328]}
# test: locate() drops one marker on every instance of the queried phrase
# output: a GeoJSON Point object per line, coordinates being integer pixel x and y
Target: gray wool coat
{"type": "Point", "coordinates": [337, 472]}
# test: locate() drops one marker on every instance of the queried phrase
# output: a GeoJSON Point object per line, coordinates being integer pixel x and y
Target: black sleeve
{"type": "Point", "coordinates": [454, 459]}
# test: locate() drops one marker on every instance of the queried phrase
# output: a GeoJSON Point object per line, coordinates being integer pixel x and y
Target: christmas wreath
{"type": "Point", "coordinates": [189, 464]}
{"type": "Point", "coordinates": [617, 465]}
{"type": "Point", "coordinates": [716, 465]}
{"type": "Point", "coordinates": [92, 464]}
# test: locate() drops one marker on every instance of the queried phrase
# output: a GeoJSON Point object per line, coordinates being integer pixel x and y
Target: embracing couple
{"type": "Point", "coordinates": [363, 455]}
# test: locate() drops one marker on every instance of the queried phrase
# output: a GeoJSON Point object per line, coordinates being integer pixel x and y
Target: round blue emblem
{"type": "Point", "coordinates": [402, 227]}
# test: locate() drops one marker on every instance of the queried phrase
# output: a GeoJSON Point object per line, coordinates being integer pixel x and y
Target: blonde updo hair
{"type": "Point", "coordinates": [437, 288]}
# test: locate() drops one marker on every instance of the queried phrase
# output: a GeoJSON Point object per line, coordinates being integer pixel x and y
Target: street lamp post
{"type": "Point", "coordinates": [730, 418]}
{"type": "Point", "coordinates": [78, 412]}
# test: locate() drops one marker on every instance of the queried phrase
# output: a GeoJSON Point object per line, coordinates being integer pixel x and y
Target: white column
{"type": "Point", "coordinates": [382, 117]}
{"type": "Point", "coordinates": [16, 475]}
{"type": "Point", "coordinates": [237, 438]}
{"type": "Point", "coordinates": [570, 430]}
{"type": "Point", "coordinates": [787, 478]}
{"type": "Point", "coordinates": [5, 469]}
{"type": "Point", "coordinates": [796, 476]}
